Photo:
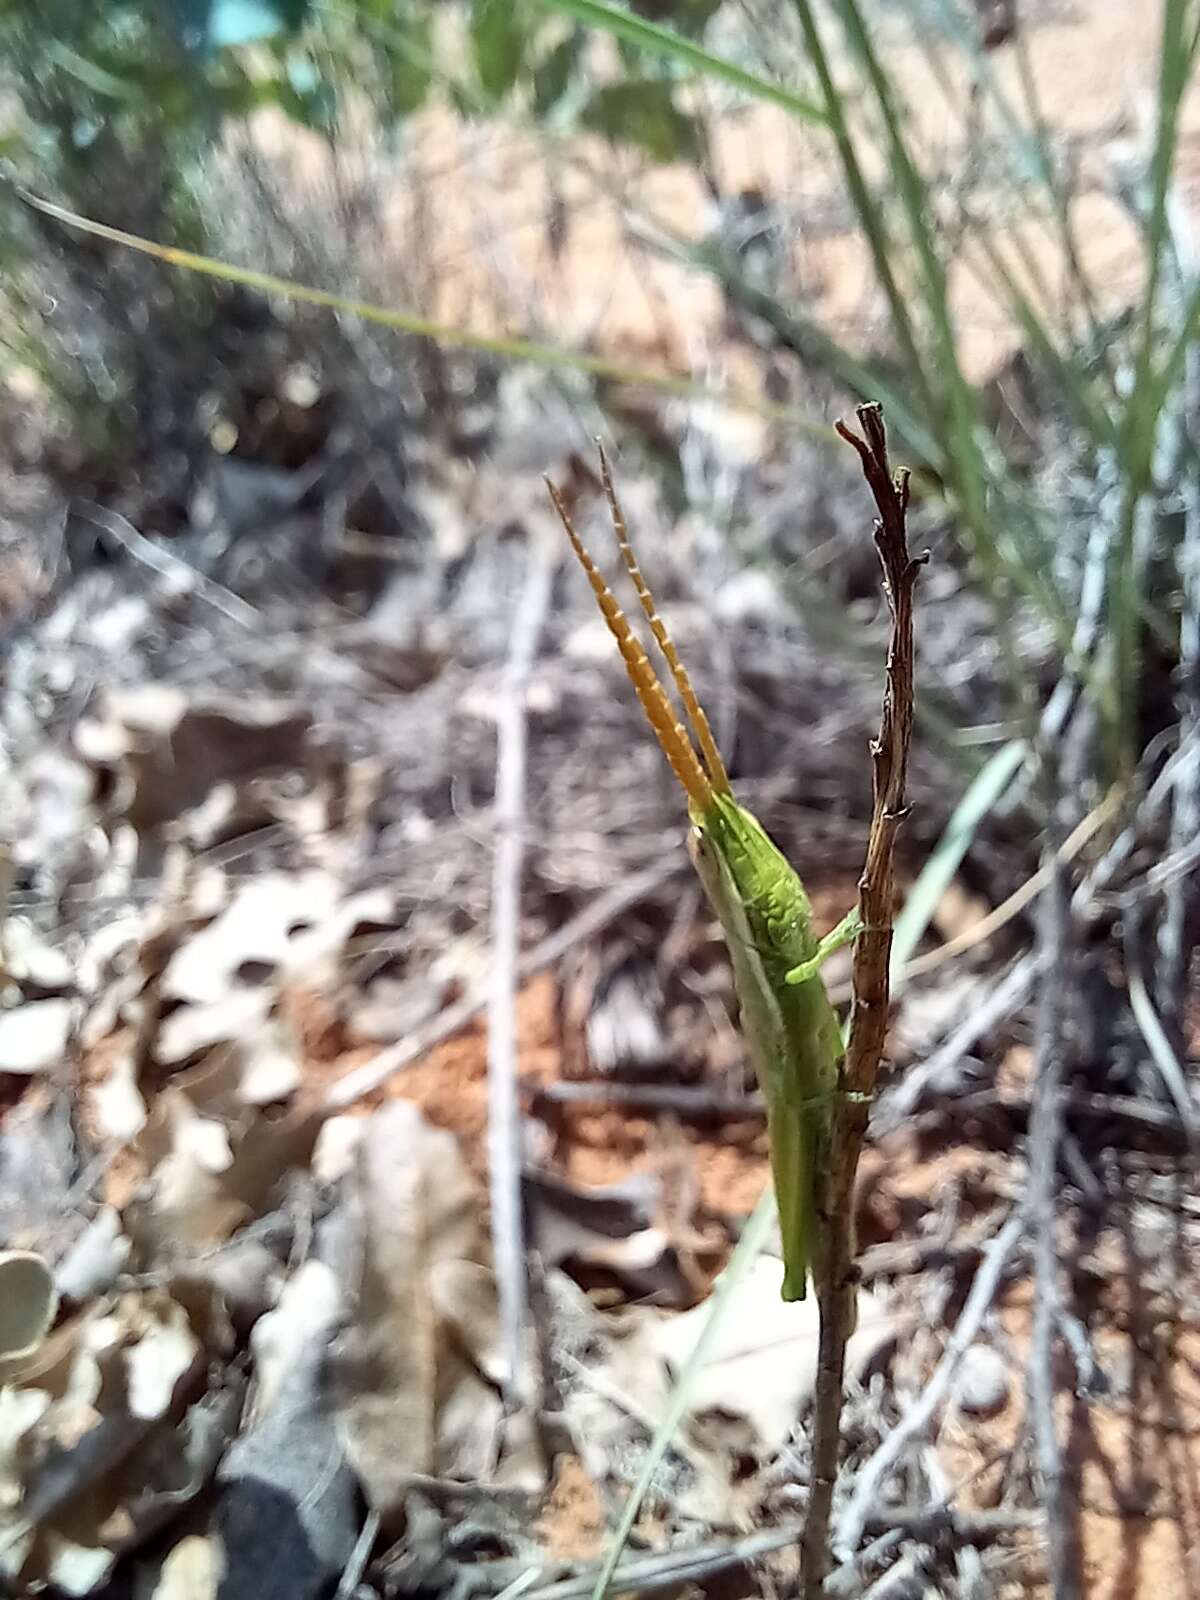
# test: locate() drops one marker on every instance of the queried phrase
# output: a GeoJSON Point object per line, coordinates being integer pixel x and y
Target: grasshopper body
{"type": "Point", "coordinates": [790, 1028]}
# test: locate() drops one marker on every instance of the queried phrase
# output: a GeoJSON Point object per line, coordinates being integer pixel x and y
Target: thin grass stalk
{"type": "Point", "coordinates": [672, 46]}
{"type": "Point", "coordinates": [448, 334]}
{"type": "Point", "coordinates": [967, 35]}
{"type": "Point", "coordinates": [869, 213]}
{"type": "Point", "coordinates": [962, 415]}
{"type": "Point", "coordinates": [1060, 200]}
{"type": "Point", "coordinates": [1176, 61]}
{"type": "Point", "coordinates": [959, 422]}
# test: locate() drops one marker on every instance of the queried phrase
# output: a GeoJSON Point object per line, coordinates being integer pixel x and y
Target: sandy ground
{"type": "Point", "coordinates": [470, 216]}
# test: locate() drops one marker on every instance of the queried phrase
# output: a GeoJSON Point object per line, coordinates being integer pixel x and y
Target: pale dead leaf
{"type": "Point", "coordinates": [94, 1262]}
{"type": "Point", "coordinates": [229, 1288]}
{"type": "Point", "coordinates": [289, 1510]}
{"type": "Point", "coordinates": [195, 1028]}
{"type": "Point", "coordinates": [763, 1365]}
{"type": "Point", "coordinates": [158, 1360]}
{"type": "Point", "coordinates": [187, 1194]}
{"type": "Point", "coordinates": [307, 1310]}
{"type": "Point", "coordinates": [191, 1571]}
{"type": "Point", "coordinates": [117, 1107]}
{"type": "Point", "coordinates": [28, 1302]}
{"type": "Point", "coordinates": [212, 1163]}
{"type": "Point", "coordinates": [21, 1410]}
{"type": "Point", "coordinates": [420, 1368]}
{"type": "Point", "coordinates": [269, 1061]}
{"type": "Point", "coordinates": [608, 1228]}
{"type": "Point", "coordinates": [466, 1302]}
{"type": "Point", "coordinates": [255, 929]}
{"type": "Point", "coordinates": [33, 1037]}
{"type": "Point", "coordinates": [336, 1149]}
{"type": "Point", "coordinates": [615, 1388]}
{"type": "Point", "coordinates": [471, 1418]}
{"type": "Point", "coordinates": [30, 961]}
{"type": "Point", "coordinates": [102, 1443]}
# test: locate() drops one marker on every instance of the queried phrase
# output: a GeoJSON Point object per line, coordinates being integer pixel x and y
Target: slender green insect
{"type": "Point", "coordinates": [791, 1029]}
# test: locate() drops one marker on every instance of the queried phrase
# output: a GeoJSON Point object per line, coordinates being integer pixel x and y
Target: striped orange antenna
{"type": "Point", "coordinates": [668, 730]}
{"type": "Point", "coordinates": [679, 673]}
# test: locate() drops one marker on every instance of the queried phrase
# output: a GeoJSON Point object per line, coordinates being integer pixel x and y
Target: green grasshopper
{"type": "Point", "coordinates": [791, 1030]}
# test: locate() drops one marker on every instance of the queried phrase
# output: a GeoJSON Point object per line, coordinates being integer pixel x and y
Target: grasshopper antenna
{"type": "Point", "coordinates": [679, 673]}
{"type": "Point", "coordinates": [668, 730]}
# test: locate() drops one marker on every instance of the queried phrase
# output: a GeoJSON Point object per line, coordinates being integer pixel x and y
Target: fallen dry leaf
{"type": "Point", "coordinates": [170, 752]}
{"type": "Point", "coordinates": [28, 1302]}
{"type": "Point", "coordinates": [103, 1434]}
{"type": "Point", "coordinates": [33, 1036]}
{"type": "Point", "coordinates": [763, 1364]}
{"type": "Point", "coordinates": [745, 1402]}
{"type": "Point", "coordinates": [420, 1369]}
{"type": "Point", "coordinates": [118, 1111]}
{"type": "Point", "coordinates": [94, 1262]}
{"type": "Point", "coordinates": [211, 1162]}
{"type": "Point", "coordinates": [192, 1570]}
{"type": "Point", "coordinates": [608, 1230]}
{"type": "Point", "coordinates": [28, 960]}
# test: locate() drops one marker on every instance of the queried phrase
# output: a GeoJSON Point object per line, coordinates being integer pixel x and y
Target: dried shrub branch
{"type": "Point", "coordinates": [836, 1281]}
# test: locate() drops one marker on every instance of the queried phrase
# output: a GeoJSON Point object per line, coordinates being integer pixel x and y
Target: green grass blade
{"type": "Point", "coordinates": [1063, 370]}
{"type": "Point", "coordinates": [961, 410]}
{"type": "Point", "coordinates": [867, 209]}
{"type": "Point", "coordinates": [749, 1247]}
{"type": "Point", "coordinates": [673, 46]}
{"type": "Point", "coordinates": [1033, 139]}
{"type": "Point", "coordinates": [1177, 56]}
{"type": "Point", "coordinates": [814, 344]}
{"type": "Point", "coordinates": [511, 349]}
{"type": "Point", "coordinates": [989, 784]}
{"type": "Point", "coordinates": [1177, 59]}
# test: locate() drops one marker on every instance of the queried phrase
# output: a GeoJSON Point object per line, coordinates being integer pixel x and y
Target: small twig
{"type": "Point", "coordinates": [451, 1019]}
{"type": "Point", "coordinates": [1177, 931]}
{"type": "Point", "coordinates": [359, 1556]}
{"type": "Point", "coordinates": [1126, 1108]}
{"type": "Point", "coordinates": [1006, 997]}
{"type": "Point", "coordinates": [1154, 1034]}
{"type": "Point", "coordinates": [678, 1098]}
{"type": "Point", "coordinates": [166, 563]}
{"type": "Point", "coordinates": [674, 1568]}
{"type": "Point", "coordinates": [504, 1107]}
{"type": "Point", "coordinates": [694, 1563]}
{"type": "Point", "coordinates": [1134, 1115]}
{"type": "Point", "coordinates": [937, 1523]}
{"type": "Point", "coordinates": [916, 1419]}
{"type": "Point", "coordinates": [1033, 886]}
{"type": "Point", "coordinates": [836, 1286]}
{"type": "Point", "coordinates": [1045, 1129]}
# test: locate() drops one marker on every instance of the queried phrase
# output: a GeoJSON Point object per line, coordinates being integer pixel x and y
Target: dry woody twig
{"type": "Point", "coordinates": [836, 1280]}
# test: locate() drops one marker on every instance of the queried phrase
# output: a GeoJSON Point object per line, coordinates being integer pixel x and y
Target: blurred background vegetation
{"type": "Point", "coordinates": [810, 203]}
{"type": "Point", "coordinates": [701, 229]}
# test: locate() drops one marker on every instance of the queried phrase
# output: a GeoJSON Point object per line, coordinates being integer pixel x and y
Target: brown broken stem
{"type": "Point", "coordinates": [834, 1274]}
